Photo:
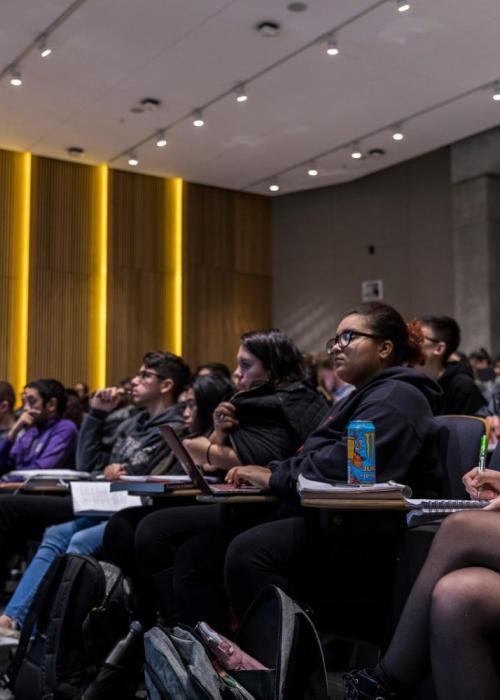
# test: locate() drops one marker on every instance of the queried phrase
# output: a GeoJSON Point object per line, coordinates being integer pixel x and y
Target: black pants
{"type": "Point", "coordinates": [343, 569]}
{"type": "Point", "coordinates": [26, 516]}
{"type": "Point", "coordinates": [181, 551]}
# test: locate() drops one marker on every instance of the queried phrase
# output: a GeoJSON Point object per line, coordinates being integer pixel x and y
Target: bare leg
{"type": "Point", "coordinates": [464, 539]}
{"type": "Point", "coordinates": [465, 618]}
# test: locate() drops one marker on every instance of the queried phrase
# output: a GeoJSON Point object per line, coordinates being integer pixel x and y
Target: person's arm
{"type": "Point", "coordinates": [482, 484]}
{"type": "Point", "coordinates": [324, 457]}
{"type": "Point", "coordinates": [91, 454]}
{"type": "Point", "coordinates": [210, 455]}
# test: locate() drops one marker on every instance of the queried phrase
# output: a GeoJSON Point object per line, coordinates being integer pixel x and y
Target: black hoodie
{"type": "Point", "coordinates": [461, 395]}
{"type": "Point", "coordinates": [399, 402]}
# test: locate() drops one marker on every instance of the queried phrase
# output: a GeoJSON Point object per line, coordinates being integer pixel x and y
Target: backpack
{"type": "Point", "coordinates": [81, 609]}
{"type": "Point", "coordinates": [276, 632]}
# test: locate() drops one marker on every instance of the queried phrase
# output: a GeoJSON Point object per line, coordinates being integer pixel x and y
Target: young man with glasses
{"type": "Point", "coordinates": [461, 395]}
{"type": "Point", "coordinates": [138, 446]}
{"type": "Point", "coordinates": [137, 449]}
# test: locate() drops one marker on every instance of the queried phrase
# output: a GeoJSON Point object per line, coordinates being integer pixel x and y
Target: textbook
{"type": "Point", "coordinates": [388, 490]}
{"type": "Point", "coordinates": [96, 498]}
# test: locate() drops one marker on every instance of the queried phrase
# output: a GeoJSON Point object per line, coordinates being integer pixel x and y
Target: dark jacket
{"type": "Point", "coordinates": [398, 401]}
{"type": "Point", "coordinates": [274, 422]}
{"type": "Point", "coordinates": [461, 395]}
{"type": "Point", "coordinates": [138, 446]}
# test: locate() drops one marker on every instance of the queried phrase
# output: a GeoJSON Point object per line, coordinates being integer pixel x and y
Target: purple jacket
{"type": "Point", "coordinates": [50, 447]}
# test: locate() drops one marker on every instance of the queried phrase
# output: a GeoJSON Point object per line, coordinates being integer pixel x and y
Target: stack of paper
{"type": "Point", "coordinates": [389, 490]}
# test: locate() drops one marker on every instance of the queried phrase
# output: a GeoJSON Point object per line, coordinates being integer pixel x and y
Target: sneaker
{"type": "Point", "coordinates": [9, 632]}
{"type": "Point", "coordinates": [364, 685]}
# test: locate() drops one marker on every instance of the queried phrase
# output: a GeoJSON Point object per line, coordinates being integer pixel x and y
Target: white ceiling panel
{"type": "Point", "coordinates": [111, 53]}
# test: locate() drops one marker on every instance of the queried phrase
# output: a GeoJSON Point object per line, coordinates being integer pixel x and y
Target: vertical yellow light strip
{"type": "Point", "coordinates": [173, 290]}
{"type": "Point", "coordinates": [19, 359]}
{"type": "Point", "coordinates": [178, 203]}
{"type": "Point", "coordinates": [102, 282]}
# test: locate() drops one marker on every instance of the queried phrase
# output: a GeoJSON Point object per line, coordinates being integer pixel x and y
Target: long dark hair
{"type": "Point", "coordinates": [209, 390]}
{"type": "Point", "coordinates": [279, 355]}
{"type": "Point", "coordinates": [388, 324]}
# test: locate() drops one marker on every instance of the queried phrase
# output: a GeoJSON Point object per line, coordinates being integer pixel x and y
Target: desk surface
{"type": "Point", "coordinates": [355, 504]}
{"type": "Point", "coordinates": [13, 487]}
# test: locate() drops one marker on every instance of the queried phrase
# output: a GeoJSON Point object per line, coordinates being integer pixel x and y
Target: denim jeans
{"type": "Point", "coordinates": [80, 536]}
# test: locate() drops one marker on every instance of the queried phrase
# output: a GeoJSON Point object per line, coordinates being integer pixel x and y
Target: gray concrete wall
{"type": "Point", "coordinates": [321, 242]}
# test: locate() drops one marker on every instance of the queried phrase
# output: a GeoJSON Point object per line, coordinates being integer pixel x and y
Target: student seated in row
{"type": "Point", "coordinates": [40, 438]}
{"type": "Point", "coordinates": [451, 620]}
{"type": "Point", "coordinates": [372, 347]}
{"type": "Point", "coordinates": [138, 449]}
{"type": "Point", "coordinates": [461, 395]}
{"type": "Point", "coordinates": [7, 406]}
{"type": "Point", "coordinates": [270, 415]}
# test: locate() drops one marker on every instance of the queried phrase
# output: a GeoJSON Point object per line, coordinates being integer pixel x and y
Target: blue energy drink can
{"type": "Point", "coordinates": [361, 452]}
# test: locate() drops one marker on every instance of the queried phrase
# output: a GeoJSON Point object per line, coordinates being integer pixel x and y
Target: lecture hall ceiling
{"type": "Point", "coordinates": [111, 53]}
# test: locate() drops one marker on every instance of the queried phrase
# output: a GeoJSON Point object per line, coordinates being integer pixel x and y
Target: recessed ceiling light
{"type": "Point", "coordinates": [274, 187]}
{"type": "Point", "coordinates": [132, 159]}
{"type": "Point", "coordinates": [16, 79]}
{"type": "Point", "coordinates": [403, 5]}
{"type": "Point", "coordinates": [376, 152]}
{"type": "Point", "coordinates": [75, 151]}
{"type": "Point", "coordinates": [496, 92]}
{"type": "Point", "coordinates": [297, 6]}
{"type": "Point", "coordinates": [198, 118]}
{"type": "Point", "coordinates": [161, 141]}
{"type": "Point", "coordinates": [267, 28]}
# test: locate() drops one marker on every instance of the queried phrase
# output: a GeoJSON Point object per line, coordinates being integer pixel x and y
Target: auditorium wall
{"type": "Point", "coordinates": [394, 226]}
{"type": "Point", "coordinates": [76, 329]}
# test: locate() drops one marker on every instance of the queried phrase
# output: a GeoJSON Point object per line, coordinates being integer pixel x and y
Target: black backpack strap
{"type": "Point", "coordinates": [53, 573]}
{"type": "Point", "coordinates": [73, 565]}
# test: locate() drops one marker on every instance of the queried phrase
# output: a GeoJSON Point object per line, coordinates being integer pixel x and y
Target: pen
{"type": "Point", "coordinates": [482, 453]}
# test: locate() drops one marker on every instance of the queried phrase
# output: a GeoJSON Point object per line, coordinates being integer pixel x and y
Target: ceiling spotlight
{"type": "Point", "coordinates": [403, 5]}
{"type": "Point", "coordinates": [496, 92]}
{"type": "Point", "coordinates": [43, 48]}
{"type": "Point", "coordinates": [75, 151]}
{"type": "Point", "coordinates": [356, 153]}
{"type": "Point", "coordinates": [198, 118]}
{"type": "Point", "coordinates": [274, 187]}
{"type": "Point", "coordinates": [397, 133]}
{"type": "Point", "coordinates": [16, 79]}
{"type": "Point", "coordinates": [332, 48]}
{"type": "Point", "coordinates": [312, 171]}
{"type": "Point", "coordinates": [132, 159]}
{"type": "Point", "coordinates": [241, 93]}
{"type": "Point", "coordinates": [161, 141]}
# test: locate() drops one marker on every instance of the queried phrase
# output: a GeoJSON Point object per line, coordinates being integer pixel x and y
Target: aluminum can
{"type": "Point", "coordinates": [361, 452]}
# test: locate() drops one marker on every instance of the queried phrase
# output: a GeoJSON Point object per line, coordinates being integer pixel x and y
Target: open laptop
{"type": "Point", "coordinates": [196, 472]}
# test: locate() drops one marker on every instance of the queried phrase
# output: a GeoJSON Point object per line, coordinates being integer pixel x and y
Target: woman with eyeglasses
{"type": "Point", "coordinates": [373, 349]}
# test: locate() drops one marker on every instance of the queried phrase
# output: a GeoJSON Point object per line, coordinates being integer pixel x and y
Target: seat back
{"type": "Point", "coordinates": [494, 462]}
{"type": "Point", "coordinates": [459, 444]}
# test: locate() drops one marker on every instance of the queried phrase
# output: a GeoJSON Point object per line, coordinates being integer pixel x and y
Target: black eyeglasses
{"type": "Point", "coordinates": [343, 339]}
{"type": "Point", "coordinates": [146, 374]}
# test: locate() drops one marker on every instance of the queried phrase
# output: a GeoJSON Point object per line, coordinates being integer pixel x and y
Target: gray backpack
{"type": "Point", "coordinates": [276, 632]}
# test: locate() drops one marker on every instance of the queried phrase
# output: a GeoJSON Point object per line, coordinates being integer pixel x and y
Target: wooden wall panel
{"type": "Point", "coordinates": [8, 202]}
{"type": "Point", "coordinates": [62, 214]}
{"type": "Point", "coordinates": [227, 271]}
{"type": "Point", "coordinates": [136, 271]}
